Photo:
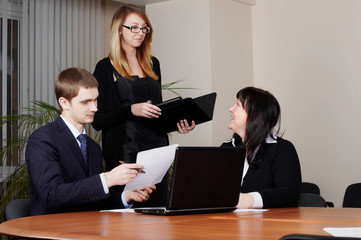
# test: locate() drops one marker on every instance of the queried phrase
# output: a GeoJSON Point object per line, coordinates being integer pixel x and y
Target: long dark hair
{"type": "Point", "coordinates": [263, 114]}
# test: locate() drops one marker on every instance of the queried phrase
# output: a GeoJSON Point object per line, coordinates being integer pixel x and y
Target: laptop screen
{"type": "Point", "coordinates": [206, 177]}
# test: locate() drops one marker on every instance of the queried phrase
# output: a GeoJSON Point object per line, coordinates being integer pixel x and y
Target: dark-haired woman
{"type": "Point", "coordinates": [272, 174]}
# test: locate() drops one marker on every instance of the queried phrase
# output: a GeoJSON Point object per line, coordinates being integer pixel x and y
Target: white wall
{"type": "Point", "coordinates": [181, 43]}
{"type": "Point", "coordinates": [308, 53]}
{"type": "Point", "coordinates": [198, 41]}
{"type": "Point", "coordinates": [231, 59]}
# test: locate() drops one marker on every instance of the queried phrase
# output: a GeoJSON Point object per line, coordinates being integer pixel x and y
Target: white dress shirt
{"type": "Point", "coordinates": [258, 201]}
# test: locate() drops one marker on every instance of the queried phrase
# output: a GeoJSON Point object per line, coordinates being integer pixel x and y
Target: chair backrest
{"type": "Point", "coordinates": [17, 208]}
{"type": "Point", "coordinates": [352, 197]}
{"type": "Point", "coordinates": [307, 187]}
{"type": "Point", "coordinates": [314, 237]}
{"type": "Point", "coordinates": [311, 200]}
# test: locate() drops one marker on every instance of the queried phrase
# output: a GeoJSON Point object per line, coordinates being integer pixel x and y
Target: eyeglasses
{"type": "Point", "coordinates": [145, 29]}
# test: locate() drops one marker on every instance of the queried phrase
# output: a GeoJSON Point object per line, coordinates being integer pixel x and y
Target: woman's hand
{"type": "Point", "coordinates": [245, 201]}
{"type": "Point", "coordinates": [183, 126]}
{"type": "Point", "coordinates": [139, 195]}
{"type": "Point", "coordinates": [146, 110]}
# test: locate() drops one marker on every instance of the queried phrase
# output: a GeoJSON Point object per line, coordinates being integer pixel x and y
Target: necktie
{"type": "Point", "coordinates": [83, 147]}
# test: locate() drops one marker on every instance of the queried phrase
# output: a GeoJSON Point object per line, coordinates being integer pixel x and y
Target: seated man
{"type": "Point", "coordinates": [65, 166]}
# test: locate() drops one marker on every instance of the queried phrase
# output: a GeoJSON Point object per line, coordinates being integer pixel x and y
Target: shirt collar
{"type": "Point", "coordinates": [271, 138]}
{"type": "Point", "coordinates": [73, 129]}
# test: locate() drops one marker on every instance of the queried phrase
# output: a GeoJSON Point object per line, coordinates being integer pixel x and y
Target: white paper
{"type": "Point", "coordinates": [156, 163]}
{"type": "Point", "coordinates": [344, 232]}
{"type": "Point", "coordinates": [119, 210]}
{"type": "Point", "coordinates": [250, 210]}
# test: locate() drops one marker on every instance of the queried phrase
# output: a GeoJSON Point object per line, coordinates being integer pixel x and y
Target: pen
{"type": "Point", "coordinates": [138, 169]}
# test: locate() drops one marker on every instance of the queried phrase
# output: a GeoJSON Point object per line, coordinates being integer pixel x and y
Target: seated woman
{"type": "Point", "coordinates": [272, 174]}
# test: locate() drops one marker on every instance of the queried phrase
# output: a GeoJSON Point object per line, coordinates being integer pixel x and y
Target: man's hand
{"type": "Point", "coordinates": [139, 195]}
{"type": "Point", "coordinates": [122, 174]}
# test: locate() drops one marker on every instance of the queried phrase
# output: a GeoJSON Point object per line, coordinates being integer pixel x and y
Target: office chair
{"type": "Point", "coordinates": [307, 187]}
{"type": "Point", "coordinates": [17, 208]}
{"type": "Point", "coordinates": [314, 237]}
{"type": "Point", "coordinates": [352, 197]}
{"type": "Point", "coordinates": [311, 200]}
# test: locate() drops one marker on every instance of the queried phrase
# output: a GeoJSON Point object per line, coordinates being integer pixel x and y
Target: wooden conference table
{"type": "Point", "coordinates": [271, 224]}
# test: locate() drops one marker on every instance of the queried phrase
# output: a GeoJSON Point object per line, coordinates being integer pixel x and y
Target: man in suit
{"type": "Point", "coordinates": [65, 173]}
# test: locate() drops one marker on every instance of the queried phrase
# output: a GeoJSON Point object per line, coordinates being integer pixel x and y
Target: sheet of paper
{"type": "Point", "coordinates": [156, 163]}
{"type": "Point", "coordinates": [119, 210]}
{"type": "Point", "coordinates": [250, 210]}
{"type": "Point", "coordinates": [344, 232]}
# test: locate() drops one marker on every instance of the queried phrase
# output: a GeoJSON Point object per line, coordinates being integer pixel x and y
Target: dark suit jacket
{"type": "Point", "coordinates": [278, 176]}
{"type": "Point", "coordinates": [58, 178]}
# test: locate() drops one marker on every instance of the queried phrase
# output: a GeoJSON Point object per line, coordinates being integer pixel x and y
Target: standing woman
{"type": "Point", "coordinates": [272, 174]}
{"type": "Point", "coordinates": [129, 86]}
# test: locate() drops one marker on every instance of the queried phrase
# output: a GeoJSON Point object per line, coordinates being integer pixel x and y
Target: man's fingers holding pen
{"type": "Point", "coordinates": [122, 174]}
{"type": "Point", "coordinates": [133, 166]}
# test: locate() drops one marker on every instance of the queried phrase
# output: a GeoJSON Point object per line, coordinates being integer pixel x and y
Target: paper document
{"type": "Point", "coordinates": [156, 163]}
{"type": "Point", "coordinates": [344, 231]}
{"type": "Point", "coordinates": [250, 210]}
{"type": "Point", "coordinates": [119, 210]}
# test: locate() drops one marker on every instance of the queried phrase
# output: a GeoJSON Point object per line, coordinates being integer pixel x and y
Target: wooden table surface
{"type": "Point", "coordinates": [271, 224]}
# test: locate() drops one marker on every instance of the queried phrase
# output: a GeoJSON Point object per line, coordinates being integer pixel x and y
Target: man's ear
{"type": "Point", "coordinates": [64, 103]}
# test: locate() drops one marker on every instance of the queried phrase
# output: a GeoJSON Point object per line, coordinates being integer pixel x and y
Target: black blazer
{"type": "Point", "coordinates": [58, 178]}
{"type": "Point", "coordinates": [277, 177]}
{"type": "Point", "coordinates": [113, 113]}
{"type": "Point", "coordinates": [124, 135]}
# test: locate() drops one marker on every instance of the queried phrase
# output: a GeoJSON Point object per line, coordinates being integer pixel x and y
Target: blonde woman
{"type": "Point", "coordinates": [129, 87]}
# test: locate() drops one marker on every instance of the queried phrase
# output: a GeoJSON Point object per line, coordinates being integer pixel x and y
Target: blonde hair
{"type": "Point", "coordinates": [117, 54]}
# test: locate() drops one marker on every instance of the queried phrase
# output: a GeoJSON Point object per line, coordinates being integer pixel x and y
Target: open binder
{"type": "Point", "coordinates": [199, 109]}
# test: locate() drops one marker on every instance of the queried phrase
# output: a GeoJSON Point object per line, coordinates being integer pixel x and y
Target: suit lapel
{"type": "Point", "coordinates": [72, 143]}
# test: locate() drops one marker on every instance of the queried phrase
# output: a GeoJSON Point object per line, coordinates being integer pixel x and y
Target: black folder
{"type": "Point", "coordinates": [199, 109]}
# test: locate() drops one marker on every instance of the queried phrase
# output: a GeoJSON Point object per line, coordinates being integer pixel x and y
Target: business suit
{"type": "Point", "coordinates": [277, 177]}
{"type": "Point", "coordinates": [58, 177]}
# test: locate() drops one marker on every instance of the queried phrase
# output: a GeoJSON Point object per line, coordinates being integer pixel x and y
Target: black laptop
{"type": "Point", "coordinates": [204, 180]}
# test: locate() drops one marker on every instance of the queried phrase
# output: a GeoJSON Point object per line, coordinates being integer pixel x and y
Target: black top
{"type": "Point", "coordinates": [277, 177]}
{"type": "Point", "coordinates": [124, 135]}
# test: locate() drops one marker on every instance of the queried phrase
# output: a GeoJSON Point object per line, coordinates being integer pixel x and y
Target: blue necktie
{"type": "Point", "coordinates": [83, 147]}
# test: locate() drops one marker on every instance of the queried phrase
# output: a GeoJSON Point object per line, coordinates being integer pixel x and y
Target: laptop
{"type": "Point", "coordinates": [204, 180]}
